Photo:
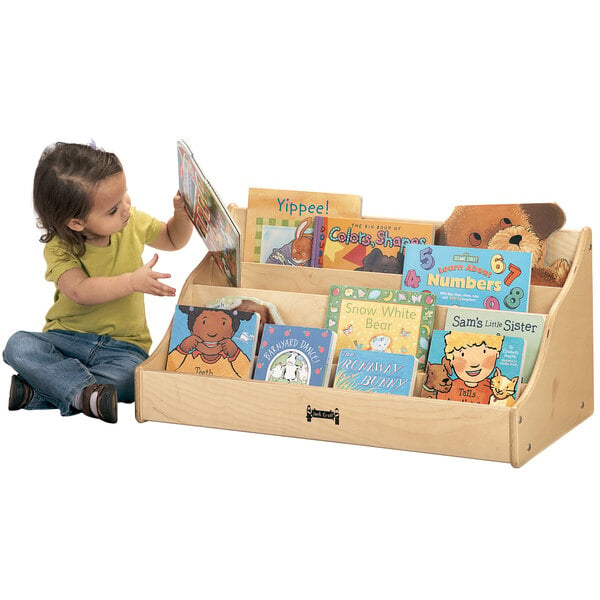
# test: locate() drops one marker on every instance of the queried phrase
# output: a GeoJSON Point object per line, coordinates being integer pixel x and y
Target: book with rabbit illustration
{"type": "Point", "coordinates": [381, 320]}
{"type": "Point", "coordinates": [213, 341]}
{"type": "Point", "coordinates": [295, 355]}
{"type": "Point", "coordinates": [209, 215]}
{"type": "Point", "coordinates": [272, 208]}
{"type": "Point", "coordinates": [283, 241]}
{"type": "Point", "coordinates": [472, 367]}
{"type": "Point", "coordinates": [375, 372]}
{"type": "Point", "coordinates": [365, 244]}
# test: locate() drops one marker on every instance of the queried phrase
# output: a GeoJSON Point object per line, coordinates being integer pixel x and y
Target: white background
{"type": "Point", "coordinates": [416, 106]}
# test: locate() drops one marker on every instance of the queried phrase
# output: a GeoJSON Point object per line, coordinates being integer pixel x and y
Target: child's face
{"type": "Point", "coordinates": [110, 211]}
{"type": "Point", "coordinates": [213, 326]}
{"type": "Point", "coordinates": [474, 363]}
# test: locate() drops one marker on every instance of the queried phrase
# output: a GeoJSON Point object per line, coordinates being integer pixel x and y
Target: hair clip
{"type": "Point", "coordinates": [92, 145]}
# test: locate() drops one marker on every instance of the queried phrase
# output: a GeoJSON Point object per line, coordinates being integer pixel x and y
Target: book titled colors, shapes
{"type": "Point", "coordinates": [295, 355]}
{"type": "Point", "coordinates": [377, 372]}
{"type": "Point", "coordinates": [474, 278]}
{"type": "Point", "coordinates": [529, 326]}
{"type": "Point", "coordinates": [365, 244]}
{"type": "Point", "coordinates": [295, 210]}
{"type": "Point", "coordinates": [381, 320]}
{"type": "Point", "coordinates": [474, 367]}
{"type": "Point", "coordinates": [213, 341]}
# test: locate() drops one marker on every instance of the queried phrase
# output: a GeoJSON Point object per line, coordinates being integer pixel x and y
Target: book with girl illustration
{"type": "Point", "coordinates": [213, 341]}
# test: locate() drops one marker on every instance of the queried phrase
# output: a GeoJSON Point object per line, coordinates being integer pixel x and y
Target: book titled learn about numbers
{"type": "Point", "coordinates": [469, 277]}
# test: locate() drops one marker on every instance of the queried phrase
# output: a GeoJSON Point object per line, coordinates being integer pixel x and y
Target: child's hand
{"type": "Point", "coordinates": [145, 280]}
{"type": "Point", "coordinates": [178, 202]}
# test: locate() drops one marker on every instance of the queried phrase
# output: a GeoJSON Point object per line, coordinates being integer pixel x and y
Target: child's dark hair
{"type": "Point", "coordinates": [64, 183]}
{"type": "Point", "coordinates": [193, 312]}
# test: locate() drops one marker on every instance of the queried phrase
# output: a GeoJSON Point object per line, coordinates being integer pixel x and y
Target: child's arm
{"type": "Point", "coordinates": [82, 289]}
{"type": "Point", "coordinates": [176, 232]}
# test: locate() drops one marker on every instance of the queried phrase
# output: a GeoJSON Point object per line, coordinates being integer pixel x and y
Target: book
{"type": "Point", "coordinates": [283, 242]}
{"type": "Point", "coordinates": [377, 372]}
{"type": "Point", "coordinates": [213, 341]}
{"type": "Point", "coordinates": [365, 244]}
{"type": "Point", "coordinates": [529, 326]}
{"type": "Point", "coordinates": [474, 278]}
{"type": "Point", "coordinates": [295, 355]}
{"type": "Point", "coordinates": [291, 209]}
{"type": "Point", "coordinates": [474, 367]}
{"type": "Point", "coordinates": [209, 215]}
{"type": "Point", "coordinates": [381, 320]}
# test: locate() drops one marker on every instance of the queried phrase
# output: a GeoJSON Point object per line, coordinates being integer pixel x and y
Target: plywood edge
{"type": "Point", "coordinates": [560, 394]}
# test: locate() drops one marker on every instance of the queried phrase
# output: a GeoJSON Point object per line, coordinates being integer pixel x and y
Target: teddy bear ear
{"type": "Point", "coordinates": [544, 218]}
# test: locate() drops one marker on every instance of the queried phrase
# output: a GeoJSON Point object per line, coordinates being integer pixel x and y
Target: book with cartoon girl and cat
{"type": "Point", "coordinates": [474, 367]}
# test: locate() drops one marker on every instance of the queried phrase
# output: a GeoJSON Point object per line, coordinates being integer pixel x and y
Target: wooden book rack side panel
{"type": "Point", "coordinates": [558, 397]}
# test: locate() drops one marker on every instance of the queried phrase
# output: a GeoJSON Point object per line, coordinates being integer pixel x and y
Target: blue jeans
{"type": "Point", "coordinates": [59, 364]}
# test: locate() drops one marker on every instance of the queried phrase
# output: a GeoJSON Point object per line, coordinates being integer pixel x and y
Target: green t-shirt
{"type": "Point", "coordinates": [123, 319]}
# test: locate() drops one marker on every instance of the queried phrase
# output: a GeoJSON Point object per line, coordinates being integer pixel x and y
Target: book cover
{"type": "Point", "coordinates": [529, 326]}
{"type": "Point", "coordinates": [377, 372]}
{"type": "Point", "coordinates": [365, 244]}
{"type": "Point", "coordinates": [282, 241]}
{"type": "Point", "coordinates": [213, 341]}
{"type": "Point", "coordinates": [474, 367]}
{"type": "Point", "coordinates": [277, 206]}
{"type": "Point", "coordinates": [295, 355]}
{"type": "Point", "coordinates": [474, 278]}
{"type": "Point", "coordinates": [209, 215]}
{"type": "Point", "coordinates": [381, 320]}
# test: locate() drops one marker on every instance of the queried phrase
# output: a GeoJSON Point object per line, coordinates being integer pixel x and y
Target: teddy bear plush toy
{"type": "Point", "coordinates": [524, 227]}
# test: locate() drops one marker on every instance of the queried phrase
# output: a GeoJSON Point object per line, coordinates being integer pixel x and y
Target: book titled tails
{"type": "Point", "coordinates": [474, 367]}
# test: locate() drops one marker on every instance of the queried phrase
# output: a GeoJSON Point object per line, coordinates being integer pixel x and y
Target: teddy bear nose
{"type": "Point", "coordinates": [516, 239]}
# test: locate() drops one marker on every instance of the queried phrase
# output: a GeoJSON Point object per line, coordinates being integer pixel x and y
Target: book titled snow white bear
{"type": "Point", "coordinates": [213, 341]}
{"type": "Point", "coordinates": [295, 355]}
{"type": "Point", "coordinates": [469, 277]}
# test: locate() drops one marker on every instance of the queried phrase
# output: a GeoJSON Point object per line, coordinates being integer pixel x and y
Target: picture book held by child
{"type": "Point", "coordinates": [95, 333]}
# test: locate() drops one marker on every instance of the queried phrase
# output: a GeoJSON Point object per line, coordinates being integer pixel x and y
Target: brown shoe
{"type": "Point", "coordinates": [106, 402]}
{"type": "Point", "coordinates": [20, 394]}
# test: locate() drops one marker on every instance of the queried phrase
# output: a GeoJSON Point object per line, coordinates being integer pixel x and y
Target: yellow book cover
{"type": "Point", "coordinates": [381, 320]}
{"type": "Point", "coordinates": [365, 244]}
{"type": "Point", "coordinates": [289, 215]}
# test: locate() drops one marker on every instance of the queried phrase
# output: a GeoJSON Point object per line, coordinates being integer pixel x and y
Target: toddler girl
{"type": "Point", "coordinates": [95, 332]}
